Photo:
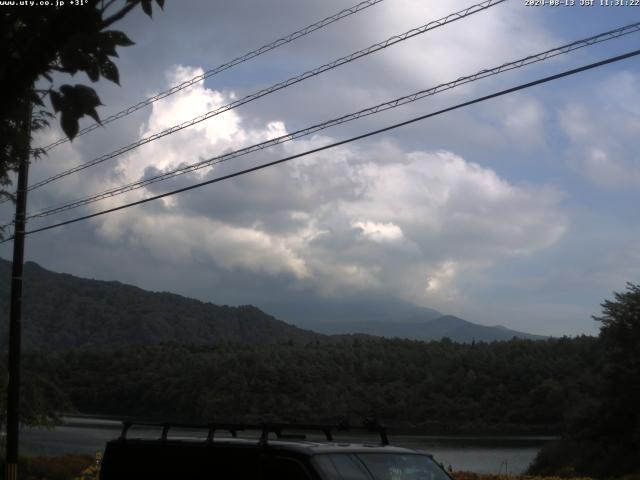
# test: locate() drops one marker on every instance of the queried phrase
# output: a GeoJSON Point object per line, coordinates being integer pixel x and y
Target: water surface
{"type": "Point", "coordinates": [482, 454]}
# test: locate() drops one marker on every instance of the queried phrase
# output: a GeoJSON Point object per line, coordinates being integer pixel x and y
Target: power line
{"type": "Point", "coordinates": [342, 142]}
{"type": "Point", "coordinates": [220, 68]}
{"type": "Point", "coordinates": [452, 17]}
{"type": "Point", "coordinates": [531, 59]}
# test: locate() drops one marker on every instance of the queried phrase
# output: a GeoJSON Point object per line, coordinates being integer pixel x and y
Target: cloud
{"type": "Point", "coordinates": [602, 130]}
{"type": "Point", "coordinates": [185, 241]}
{"type": "Point", "coordinates": [523, 121]}
{"type": "Point", "coordinates": [419, 214]}
{"type": "Point", "coordinates": [363, 217]}
{"type": "Point", "coordinates": [379, 232]}
{"type": "Point", "coordinates": [458, 48]}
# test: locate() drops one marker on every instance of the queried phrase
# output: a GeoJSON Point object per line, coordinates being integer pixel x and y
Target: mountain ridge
{"type": "Point", "coordinates": [444, 326]}
{"type": "Point", "coordinates": [63, 311]}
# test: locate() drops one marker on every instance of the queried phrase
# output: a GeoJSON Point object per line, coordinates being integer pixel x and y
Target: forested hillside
{"type": "Point", "coordinates": [442, 326]}
{"type": "Point", "coordinates": [434, 387]}
{"type": "Point", "coordinates": [63, 312]}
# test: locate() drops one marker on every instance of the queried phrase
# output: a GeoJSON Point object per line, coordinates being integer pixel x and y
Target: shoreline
{"type": "Point", "coordinates": [439, 430]}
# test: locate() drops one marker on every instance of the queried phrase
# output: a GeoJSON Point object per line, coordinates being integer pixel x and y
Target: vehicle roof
{"type": "Point", "coordinates": [314, 448]}
{"type": "Point", "coordinates": [304, 447]}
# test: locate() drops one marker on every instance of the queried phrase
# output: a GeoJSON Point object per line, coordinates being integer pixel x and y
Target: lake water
{"type": "Point", "coordinates": [480, 454]}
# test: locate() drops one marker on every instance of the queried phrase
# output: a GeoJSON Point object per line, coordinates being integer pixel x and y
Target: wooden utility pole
{"type": "Point", "coordinates": [15, 318]}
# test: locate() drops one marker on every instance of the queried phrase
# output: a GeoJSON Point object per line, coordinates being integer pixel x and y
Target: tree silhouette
{"type": "Point", "coordinates": [618, 391]}
{"type": "Point", "coordinates": [38, 43]}
{"type": "Point", "coordinates": [601, 436]}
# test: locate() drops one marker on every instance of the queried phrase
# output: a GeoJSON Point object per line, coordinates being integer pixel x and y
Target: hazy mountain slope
{"type": "Point", "coordinates": [461, 330]}
{"type": "Point", "coordinates": [455, 328]}
{"type": "Point", "coordinates": [308, 311]}
{"type": "Point", "coordinates": [62, 312]}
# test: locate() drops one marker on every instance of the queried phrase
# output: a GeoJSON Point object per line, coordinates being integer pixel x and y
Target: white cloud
{"type": "Point", "coordinates": [379, 232]}
{"type": "Point", "coordinates": [484, 39]}
{"type": "Point", "coordinates": [369, 217]}
{"type": "Point", "coordinates": [606, 172]}
{"type": "Point", "coordinates": [202, 139]}
{"type": "Point", "coordinates": [441, 279]}
{"type": "Point", "coordinates": [185, 241]}
{"type": "Point", "coordinates": [603, 132]}
{"type": "Point", "coordinates": [396, 217]}
{"type": "Point", "coordinates": [524, 119]}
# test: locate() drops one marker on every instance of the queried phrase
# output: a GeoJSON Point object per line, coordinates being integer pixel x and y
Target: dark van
{"type": "Point", "coordinates": [284, 457]}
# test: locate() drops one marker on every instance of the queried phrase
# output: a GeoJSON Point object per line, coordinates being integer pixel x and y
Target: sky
{"type": "Point", "coordinates": [519, 211]}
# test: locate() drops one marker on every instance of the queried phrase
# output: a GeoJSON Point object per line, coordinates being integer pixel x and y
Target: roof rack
{"type": "Point", "coordinates": [372, 426]}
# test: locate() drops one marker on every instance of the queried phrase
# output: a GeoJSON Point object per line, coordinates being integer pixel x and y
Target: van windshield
{"type": "Point", "coordinates": [380, 466]}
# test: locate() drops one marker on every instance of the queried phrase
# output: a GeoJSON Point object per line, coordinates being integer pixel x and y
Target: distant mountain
{"type": "Point", "coordinates": [386, 317]}
{"type": "Point", "coordinates": [448, 326]}
{"type": "Point", "coordinates": [62, 312]}
{"type": "Point", "coordinates": [312, 312]}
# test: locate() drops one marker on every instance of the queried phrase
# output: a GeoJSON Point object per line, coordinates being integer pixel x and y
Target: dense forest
{"type": "Point", "coordinates": [601, 430]}
{"type": "Point", "coordinates": [63, 312]}
{"type": "Point", "coordinates": [520, 385]}
{"type": "Point", "coordinates": [171, 358]}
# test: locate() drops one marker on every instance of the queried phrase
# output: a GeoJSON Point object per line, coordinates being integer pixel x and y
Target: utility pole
{"type": "Point", "coordinates": [15, 316]}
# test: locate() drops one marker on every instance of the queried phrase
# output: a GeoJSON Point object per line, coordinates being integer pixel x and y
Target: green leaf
{"type": "Point", "coordinates": [146, 6]}
{"type": "Point", "coordinates": [69, 125]}
{"type": "Point", "coordinates": [79, 100]}
{"type": "Point", "coordinates": [36, 97]}
{"type": "Point", "coordinates": [93, 70]}
{"type": "Point", "coordinates": [109, 71]}
{"type": "Point", "coordinates": [118, 38]}
{"type": "Point", "coordinates": [77, 52]}
{"type": "Point", "coordinates": [56, 101]}
{"type": "Point", "coordinates": [93, 114]}
{"type": "Point", "coordinates": [67, 89]}
{"type": "Point", "coordinates": [107, 44]}
{"type": "Point", "coordinates": [70, 60]}
{"type": "Point", "coordinates": [81, 94]}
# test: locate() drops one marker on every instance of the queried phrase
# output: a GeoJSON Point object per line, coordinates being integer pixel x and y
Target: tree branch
{"type": "Point", "coordinates": [105, 7]}
{"type": "Point", "coordinates": [118, 15]}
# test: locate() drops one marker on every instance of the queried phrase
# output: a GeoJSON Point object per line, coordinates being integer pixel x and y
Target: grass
{"type": "Point", "coordinates": [63, 467]}
{"type": "Point", "coordinates": [479, 476]}
{"type": "Point", "coordinates": [83, 467]}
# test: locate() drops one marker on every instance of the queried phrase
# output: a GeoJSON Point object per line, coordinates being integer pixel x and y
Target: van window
{"type": "Point", "coordinates": [341, 467]}
{"type": "Point", "coordinates": [393, 466]}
